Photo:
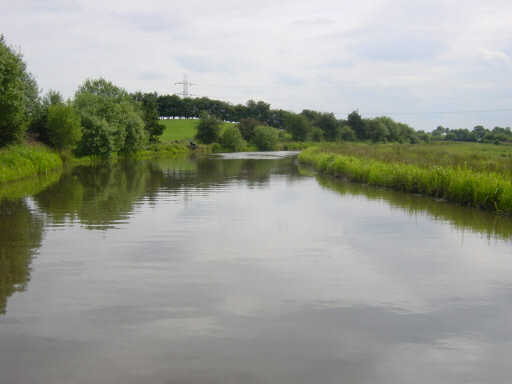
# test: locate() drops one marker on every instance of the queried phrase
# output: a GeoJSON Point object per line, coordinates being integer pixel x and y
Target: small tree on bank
{"type": "Point", "coordinates": [64, 126]}
{"type": "Point", "coordinates": [232, 139]}
{"type": "Point", "coordinates": [208, 128]}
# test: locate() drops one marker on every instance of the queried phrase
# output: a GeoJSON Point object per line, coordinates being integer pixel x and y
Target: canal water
{"type": "Point", "coordinates": [247, 268]}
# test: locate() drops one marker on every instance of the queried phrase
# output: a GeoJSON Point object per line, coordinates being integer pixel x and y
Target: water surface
{"type": "Point", "coordinates": [247, 268]}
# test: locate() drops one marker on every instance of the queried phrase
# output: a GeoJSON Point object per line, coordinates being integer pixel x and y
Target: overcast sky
{"type": "Point", "coordinates": [426, 63]}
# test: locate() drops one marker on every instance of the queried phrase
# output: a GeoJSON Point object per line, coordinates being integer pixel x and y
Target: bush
{"type": "Point", "coordinates": [111, 119]}
{"type": "Point", "coordinates": [208, 128]}
{"type": "Point", "coordinates": [232, 139]}
{"type": "Point", "coordinates": [266, 138]}
{"type": "Point", "coordinates": [317, 134]}
{"type": "Point", "coordinates": [64, 128]}
{"type": "Point", "coordinates": [346, 133]}
{"type": "Point", "coordinates": [247, 126]}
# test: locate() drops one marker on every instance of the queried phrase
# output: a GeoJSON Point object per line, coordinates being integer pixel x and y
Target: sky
{"type": "Point", "coordinates": [425, 63]}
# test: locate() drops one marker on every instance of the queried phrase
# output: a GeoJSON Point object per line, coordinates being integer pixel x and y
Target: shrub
{"type": "Point", "coordinates": [247, 126]}
{"type": "Point", "coordinates": [63, 125]}
{"type": "Point", "coordinates": [266, 138]}
{"type": "Point", "coordinates": [232, 139]}
{"type": "Point", "coordinates": [208, 128]}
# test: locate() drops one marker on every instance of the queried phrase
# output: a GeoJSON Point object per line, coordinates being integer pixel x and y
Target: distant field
{"type": "Point", "coordinates": [181, 129]}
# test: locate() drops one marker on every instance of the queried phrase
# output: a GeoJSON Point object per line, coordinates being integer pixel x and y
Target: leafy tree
{"type": "Point", "coordinates": [247, 126]}
{"type": "Point", "coordinates": [266, 138]}
{"type": "Point", "coordinates": [208, 128]}
{"type": "Point", "coordinates": [150, 115]}
{"type": "Point", "coordinates": [358, 125]}
{"type": "Point", "coordinates": [328, 124]}
{"type": "Point", "coordinates": [39, 124]}
{"type": "Point", "coordinates": [64, 129]}
{"type": "Point", "coordinates": [18, 95]}
{"type": "Point", "coordinates": [232, 139]}
{"type": "Point", "coordinates": [347, 134]}
{"type": "Point", "coordinates": [112, 120]}
{"type": "Point", "coordinates": [317, 134]}
{"type": "Point", "coordinates": [299, 127]}
{"type": "Point", "coordinates": [377, 130]}
{"type": "Point", "coordinates": [258, 110]}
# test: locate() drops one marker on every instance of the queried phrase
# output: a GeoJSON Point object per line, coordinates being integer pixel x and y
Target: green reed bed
{"type": "Point", "coordinates": [490, 191]}
{"type": "Point", "coordinates": [18, 162]}
{"type": "Point", "coordinates": [475, 156]}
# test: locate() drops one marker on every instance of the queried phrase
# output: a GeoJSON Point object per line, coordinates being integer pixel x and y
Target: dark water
{"type": "Point", "coordinates": [247, 270]}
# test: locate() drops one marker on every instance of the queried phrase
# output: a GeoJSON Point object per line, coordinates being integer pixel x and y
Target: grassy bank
{"type": "Point", "coordinates": [181, 129]}
{"type": "Point", "coordinates": [459, 184]}
{"type": "Point", "coordinates": [22, 161]}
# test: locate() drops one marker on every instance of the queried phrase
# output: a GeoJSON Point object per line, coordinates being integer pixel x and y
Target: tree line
{"type": "Point", "coordinates": [477, 134]}
{"type": "Point", "coordinates": [103, 118]}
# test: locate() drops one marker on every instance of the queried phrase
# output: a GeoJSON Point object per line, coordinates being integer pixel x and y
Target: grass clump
{"type": "Point", "coordinates": [18, 162]}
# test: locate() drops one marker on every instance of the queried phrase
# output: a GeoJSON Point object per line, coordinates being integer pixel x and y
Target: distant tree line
{"type": "Point", "coordinates": [477, 134]}
{"type": "Point", "coordinates": [103, 118]}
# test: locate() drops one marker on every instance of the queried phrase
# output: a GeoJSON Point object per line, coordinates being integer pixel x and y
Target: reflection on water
{"type": "Point", "coordinates": [488, 224]}
{"type": "Point", "coordinates": [243, 269]}
{"type": "Point", "coordinates": [20, 236]}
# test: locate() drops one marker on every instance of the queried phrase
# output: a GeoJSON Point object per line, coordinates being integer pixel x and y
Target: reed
{"type": "Point", "coordinates": [18, 162]}
{"type": "Point", "coordinates": [459, 184]}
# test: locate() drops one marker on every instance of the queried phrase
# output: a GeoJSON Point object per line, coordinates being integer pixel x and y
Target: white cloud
{"type": "Point", "coordinates": [376, 55]}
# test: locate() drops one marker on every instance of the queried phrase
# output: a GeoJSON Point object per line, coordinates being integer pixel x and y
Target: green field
{"type": "Point", "coordinates": [475, 175]}
{"type": "Point", "coordinates": [181, 129]}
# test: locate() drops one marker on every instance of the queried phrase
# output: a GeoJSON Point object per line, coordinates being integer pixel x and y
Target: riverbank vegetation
{"type": "Point", "coordinates": [445, 173]}
{"type": "Point", "coordinates": [104, 120]}
{"type": "Point", "coordinates": [17, 162]}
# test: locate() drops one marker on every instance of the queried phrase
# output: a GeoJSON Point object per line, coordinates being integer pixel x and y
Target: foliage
{"type": "Point", "coordinates": [64, 129]}
{"type": "Point", "coordinates": [150, 115]}
{"type": "Point", "coordinates": [112, 120]}
{"type": "Point", "coordinates": [208, 128]}
{"type": "Point", "coordinates": [328, 124]}
{"type": "Point", "coordinates": [18, 95]}
{"type": "Point", "coordinates": [232, 139]}
{"type": "Point", "coordinates": [18, 162]}
{"type": "Point", "coordinates": [346, 133]}
{"type": "Point", "coordinates": [299, 127]}
{"type": "Point", "coordinates": [247, 126]}
{"type": "Point", "coordinates": [38, 126]}
{"type": "Point", "coordinates": [266, 138]}
{"type": "Point", "coordinates": [358, 125]}
{"type": "Point", "coordinates": [317, 134]}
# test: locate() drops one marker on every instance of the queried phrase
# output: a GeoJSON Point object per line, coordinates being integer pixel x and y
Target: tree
{"type": "Point", "coordinates": [377, 130]}
{"type": "Point", "coordinates": [150, 115]}
{"type": "Point", "coordinates": [112, 120]}
{"type": "Point", "coordinates": [298, 126]}
{"type": "Point", "coordinates": [208, 128]}
{"type": "Point", "coordinates": [231, 139]}
{"type": "Point", "coordinates": [247, 126]}
{"type": "Point", "coordinates": [358, 125]}
{"type": "Point", "coordinates": [39, 124]}
{"type": "Point", "coordinates": [266, 138]}
{"type": "Point", "coordinates": [18, 95]}
{"type": "Point", "coordinates": [64, 129]}
{"type": "Point", "coordinates": [328, 124]}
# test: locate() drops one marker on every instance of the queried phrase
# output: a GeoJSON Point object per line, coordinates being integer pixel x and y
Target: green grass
{"type": "Point", "coordinates": [459, 183]}
{"type": "Point", "coordinates": [23, 161]}
{"type": "Point", "coordinates": [475, 156]}
{"type": "Point", "coordinates": [181, 129]}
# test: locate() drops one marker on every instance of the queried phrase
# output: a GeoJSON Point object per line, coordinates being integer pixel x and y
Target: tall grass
{"type": "Point", "coordinates": [18, 162]}
{"type": "Point", "coordinates": [460, 184]}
